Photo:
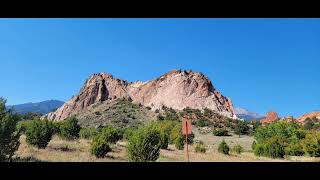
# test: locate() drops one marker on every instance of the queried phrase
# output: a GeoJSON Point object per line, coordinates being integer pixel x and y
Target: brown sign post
{"type": "Point", "coordinates": [186, 130]}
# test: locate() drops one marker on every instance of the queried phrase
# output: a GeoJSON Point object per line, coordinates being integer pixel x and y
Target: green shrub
{"type": "Point", "coordinates": [39, 133]}
{"type": "Point", "coordinates": [208, 112]}
{"type": "Point", "coordinates": [278, 139]}
{"type": "Point", "coordinates": [110, 134]}
{"type": "Point", "coordinates": [23, 125]}
{"type": "Point", "coordinates": [311, 143]}
{"type": "Point", "coordinates": [176, 132]}
{"type": "Point", "coordinates": [145, 144]}
{"type": "Point", "coordinates": [69, 129]}
{"type": "Point", "coordinates": [294, 149]}
{"type": "Point", "coordinates": [253, 145]}
{"type": "Point", "coordinates": [223, 148]}
{"type": "Point", "coordinates": [283, 129]}
{"type": "Point", "coordinates": [220, 132]}
{"type": "Point", "coordinates": [88, 133]}
{"type": "Point", "coordinates": [160, 117]}
{"type": "Point", "coordinates": [56, 127]}
{"type": "Point", "coordinates": [275, 147]}
{"type": "Point", "coordinates": [241, 128]}
{"type": "Point", "coordinates": [179, 142]}
{"type": "Point", "coordinates": [9, 134]}
{"type": "Point", "coordinates": [171, 115]}
{"type": "Point", "coordinates": [168, 126]}
{"type": "Point", "coordinates": [164, 137]}
{"type": "Point", "coordinates": [200, 148]}
{"type": "Point", "coordinates": [259, 150]}
{"type": "Point", "coordinates": [99, 147]}
{"type": "Point", "coordinates": [190, 138]}
{"type": "Point", "coordinates": [237, 149]}
{"type": "Point", "coordinates": [202, 123]}
{"type": "Point", "coordinates": [128, 132]}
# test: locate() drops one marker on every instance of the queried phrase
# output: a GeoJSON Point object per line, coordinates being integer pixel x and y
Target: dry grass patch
{"type": "Point", "coordinates": [59, 150]}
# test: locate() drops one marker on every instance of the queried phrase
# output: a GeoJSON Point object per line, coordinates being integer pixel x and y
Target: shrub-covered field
{"type": "Point", "coordinates": [154, 140]}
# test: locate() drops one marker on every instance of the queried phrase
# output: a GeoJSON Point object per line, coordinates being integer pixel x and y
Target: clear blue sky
{"type": "Point", "coordinates": [262, 64]}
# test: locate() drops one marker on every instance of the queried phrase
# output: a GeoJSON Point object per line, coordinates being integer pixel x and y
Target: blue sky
{"type": "Point", "coordinates": [262, 64]}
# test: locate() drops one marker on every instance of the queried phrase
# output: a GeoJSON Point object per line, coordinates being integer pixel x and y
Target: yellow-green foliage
{"type": "Point", "coordinates": [145, 144]}
{"type": "Point", "coordinates": [311, 143]}
{"type": "Point", "coordinates": [237, 149]}
{"type": "Point", "coordinates": [200, 148]}
{"type": "Point", "coordinates": [39, 133]}
{"type": "Point", "coordinates": [223, 148]}
{"type": "Point", "coordinates": [99, 147]}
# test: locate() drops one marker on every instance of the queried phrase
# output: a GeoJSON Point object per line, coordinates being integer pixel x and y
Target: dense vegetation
{"type": "Point", "coordinates": [69, 129]}
{"type": "Point", "coordinates": [275, 140]}
{"type": "Point", "coordinates": [286, 138]}
{"type": "Point", "coordinates": [120, 114]}
{"type": "Point", "coordinates": [88, 133]}
{"type": "Point", "coordinates": [220, 132]}
{"type": "Point", "coordinates": [221, 125]}
{"type": "Point", "coordinates": [9, 135]}
{"type": "Point", "coordinates": [39, 133]}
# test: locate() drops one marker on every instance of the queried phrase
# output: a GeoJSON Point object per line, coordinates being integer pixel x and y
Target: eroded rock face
{"type": "Point", "coordinates": [309, 115]}
{"type": "Point", "coordinates": [97, 89]}
{"type": "Point", "coordinates": [176, 89]}
{"type": "Point", "coordinates": [271, 117]}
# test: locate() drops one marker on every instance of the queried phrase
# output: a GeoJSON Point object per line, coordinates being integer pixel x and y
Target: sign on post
{"type": "Point", "coordinates": [186, 127]}
{"type": "Point", "coordinates": [186, 130]}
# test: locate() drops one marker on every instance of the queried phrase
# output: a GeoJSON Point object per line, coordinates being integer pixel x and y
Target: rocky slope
{"type": "Point", "coordinates": [176, 89]}
{"type": "Point", "coordinates": [118, 113]}
{"type": "Point", "coordinates": [309, 115]}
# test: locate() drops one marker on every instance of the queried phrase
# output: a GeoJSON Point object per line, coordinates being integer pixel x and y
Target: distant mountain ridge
{"type": "Point", "coordinates": [43, 107]}
{"type": "Point", "coordinates": [246, 115]}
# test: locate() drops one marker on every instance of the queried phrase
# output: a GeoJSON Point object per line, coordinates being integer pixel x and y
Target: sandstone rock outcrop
{"type": "Point", "coordinates": [309, 115]}
{"type": "Point", "coordinates": [176, 89]}
{"type": "Point", "coordinates": [271, 117]}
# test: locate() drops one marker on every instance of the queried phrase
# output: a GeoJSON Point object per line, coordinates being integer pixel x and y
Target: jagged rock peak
{"type": "Point", "coordinates": [176, 89]}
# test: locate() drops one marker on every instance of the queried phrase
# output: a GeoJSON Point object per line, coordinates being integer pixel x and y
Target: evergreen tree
{"type": "Point", "coordinates": [9, 135]}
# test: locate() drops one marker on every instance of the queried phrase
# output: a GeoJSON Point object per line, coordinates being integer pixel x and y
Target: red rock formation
{"type": "Point", "coordinates": [176, 89]}
{"type": "Point", "coordinates": [271, 117]}
{"type": "Point", "coordinates": [309, 115]}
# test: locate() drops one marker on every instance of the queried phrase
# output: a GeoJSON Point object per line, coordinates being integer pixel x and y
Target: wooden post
{"type": "Point", "coordinates": [186, 130]}
{"type": "Point", "coordinates": [187, 141]}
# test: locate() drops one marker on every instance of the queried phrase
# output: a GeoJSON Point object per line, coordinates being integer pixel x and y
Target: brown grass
{"type": "Point", "coordinates": [77, 151]}
{"type": "Point", "coordinates": [59, 150]}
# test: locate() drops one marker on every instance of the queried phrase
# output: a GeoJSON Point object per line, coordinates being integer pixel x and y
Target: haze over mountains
{"type": "Point", "coordinates": [43, 107]}
{"type": "Point", "coordinates": [246, 115]}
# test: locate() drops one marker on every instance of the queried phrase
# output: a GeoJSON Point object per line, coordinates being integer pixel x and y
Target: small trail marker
{"type": "Point", "coordinates": [186, 130]}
